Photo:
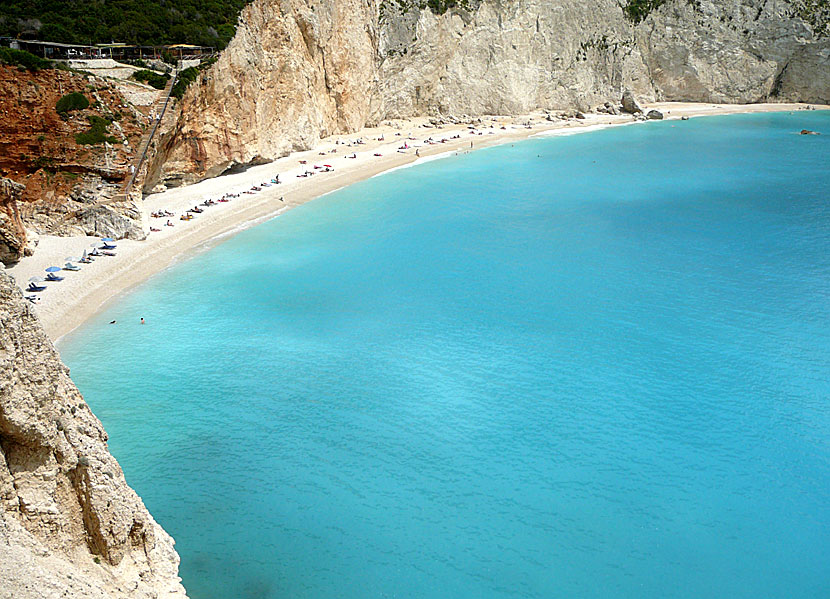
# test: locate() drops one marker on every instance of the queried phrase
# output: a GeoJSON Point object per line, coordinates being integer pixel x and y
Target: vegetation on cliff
{"type": "Point", "coordinates": [816, 13]}
{"type": "Point", "coordinates": [151, 78]}
{"type": "Point", "coordinates": [71, 101]}
{"type": "Point", "coordinates": [23, 59]}
{"type": "Point", "coordinates": [59, 157]}
{"type": "Point", "coordinates": [97, 132]}
{"type": "Point", "coordinates": [637, 10]}
{"type": "Point", "coordinates": [188, 76]}
{"type": "Point", "coordinates": [148, 22]}
{"type": "Point", "coordinates": [438, 7]}
{"type": "Point", "coordinates": [185, 78]}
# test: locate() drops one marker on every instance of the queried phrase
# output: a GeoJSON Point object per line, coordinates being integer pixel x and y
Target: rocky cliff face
{"type": "Point", "coordinates": [295, 72]}
{"type": "Point", "coordinates": [507, 57]}
{"type": "Point", "coordinates": [299, 70]}
{"type": "Point", "coordinates": [12, 231]}
{"type": "Point", "coordinates": [737, 51]}
{"type": "Point", "coordinates": [69, 524]}
{"type": "Point", "coordinates": [68, 188]}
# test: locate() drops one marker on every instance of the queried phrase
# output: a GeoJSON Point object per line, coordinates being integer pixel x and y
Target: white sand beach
{"type": "Point", "coordinates": [65, 305]}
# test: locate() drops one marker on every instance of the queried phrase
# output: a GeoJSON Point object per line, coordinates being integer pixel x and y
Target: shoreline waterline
{"type": "Point", "coordinates": [69, 304]}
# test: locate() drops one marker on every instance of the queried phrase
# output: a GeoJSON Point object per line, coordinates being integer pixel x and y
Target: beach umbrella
{"type": "Point", "coordinates": [94, 245]}
{"type": "Point", "coordinates": [72, 259]}
{"type": "Point", "coordinates": [54, 269]}
{"type": "Point", "coordinates": [36, 280]}
{"type": "Point", "coordinates": [107, 239]}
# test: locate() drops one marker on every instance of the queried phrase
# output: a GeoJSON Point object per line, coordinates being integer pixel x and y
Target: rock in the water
{"type": "Point", "coordinates": [808, 132]}
{"type": "Point", "coordinates": [684, 118]}
{"type": "Point", "coordinates": [655, 115]}
{"type": "Point", "coordinates": [629, 104]}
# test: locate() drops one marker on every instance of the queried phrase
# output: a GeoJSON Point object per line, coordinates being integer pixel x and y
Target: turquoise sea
{"type": "Point", "coordinates": [594, 366]}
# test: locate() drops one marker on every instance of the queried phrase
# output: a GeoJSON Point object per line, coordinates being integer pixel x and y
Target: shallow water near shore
{"type": "Point", "coordinates": [587, 366]}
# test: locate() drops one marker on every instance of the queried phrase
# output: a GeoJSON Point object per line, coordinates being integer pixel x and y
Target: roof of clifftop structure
{"type": "Point", "coordinates": [115, 50]}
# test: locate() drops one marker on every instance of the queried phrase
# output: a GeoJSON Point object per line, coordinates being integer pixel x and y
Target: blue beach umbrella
{"type": "Point", "coordinates": [107, 239]}
{"type": "Point", "coordinates": [53, 269]}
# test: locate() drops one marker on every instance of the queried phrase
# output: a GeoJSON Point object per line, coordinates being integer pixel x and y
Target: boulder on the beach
{"type": "Point", "coordinates": [629, 104]}
{"type": "Point", "coordinates": [684, 118]}
{"type": "Point", "coordinates": [580, 115]}
{"type": "Point", "coordinates": [655, 115]}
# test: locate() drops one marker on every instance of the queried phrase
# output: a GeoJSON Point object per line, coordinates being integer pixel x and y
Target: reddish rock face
{"type": "Point", "coordinates": [59, 177]}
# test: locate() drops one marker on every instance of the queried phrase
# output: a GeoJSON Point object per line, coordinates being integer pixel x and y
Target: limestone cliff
{"type": "Point", "coordinates": [69, 524]}
{"type": "Point", "coordinates": [12, 231]}
{"type": "Point", "coordinates": [296, 71]}
{"type": "Point", "coordinates": [737, 51]}
{"type": "Point", "coordinates": [507, 57]}
{"type": "Point", "coordinates": [299, 70]}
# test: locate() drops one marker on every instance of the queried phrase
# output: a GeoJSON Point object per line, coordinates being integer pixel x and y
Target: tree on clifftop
{"type": "Point", "coordinates": [148, 22]}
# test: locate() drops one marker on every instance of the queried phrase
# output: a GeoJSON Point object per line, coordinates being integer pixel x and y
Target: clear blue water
{"type": "Point", "coordinates": [591, 366]}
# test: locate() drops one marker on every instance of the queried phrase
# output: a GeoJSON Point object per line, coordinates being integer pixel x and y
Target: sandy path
{"type": "Point", "coordinates": [67, 304]}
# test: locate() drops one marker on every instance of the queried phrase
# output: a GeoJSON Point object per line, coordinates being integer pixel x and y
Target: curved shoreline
{"type": "Point", "coordinates": [68, 304]}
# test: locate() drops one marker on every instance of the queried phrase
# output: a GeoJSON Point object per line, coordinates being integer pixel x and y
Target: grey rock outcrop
{"type": "Point", "coordinates": [806, 75]}
{"type": "Point", "coordinates": [654, 115]}
{"type": "Point", "coordinates": [735, 51]}
{"type": "Point", "coordinates": [12, 232]}
{"type": "Point", "coordinates": [629, 104]}
{"type": "Point", "coordinates": [506, 57]}
{"type": "Point", "coordinates": [69, 524]}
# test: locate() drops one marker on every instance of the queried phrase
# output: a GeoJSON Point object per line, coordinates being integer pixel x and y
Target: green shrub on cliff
{"type": "Point", "coordinates": [147, 22]}
{"type": "Point", "coordinates": [186, 77]}
{"type": "Point", "coordinates": [637, 10]}
{"type": "Point", "coordinates": [151, 78]}
{"type": "Point", "coordinates": [439, 7]}
{"type": "Point", "coordinates": [97, 132]}
{"type": "Point", "coordinates": [70, 102]}
{"type": "Point", "coordinates": [815, 12]}
{"type": "Point", "coordinates": [24, 59]}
